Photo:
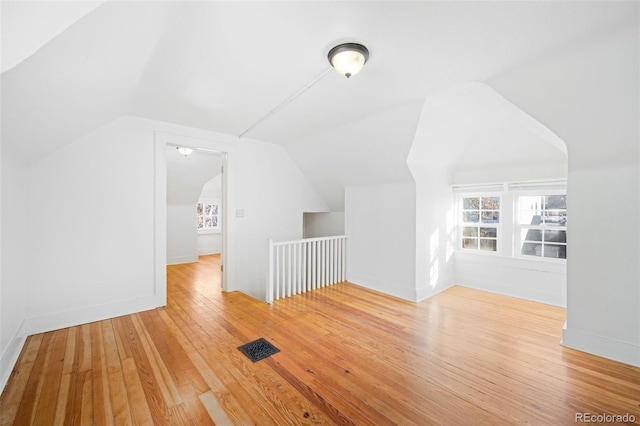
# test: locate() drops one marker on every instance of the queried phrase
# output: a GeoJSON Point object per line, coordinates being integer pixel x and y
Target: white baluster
{"type": "Point", "coordinates": [313, 265]}
{"type": "Point", "coordinates": [277, 266]}
{"type": "Point", "coordinates": [305, 271]}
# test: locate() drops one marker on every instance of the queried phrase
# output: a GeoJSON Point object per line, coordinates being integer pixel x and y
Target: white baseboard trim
{"type": "Point", "coordinates": [425, 292]}
{"type": "Point", "coordinates": [376, 284]}
{"type": "Point", "coordinates": [555, 299]}
{"type": "Point", "coordinates": [206, 251]}
{"type": "Point", "coordinates": [616, 350]}
{"type": "Point", "coordinates": [58, 320]}
{"type": "Point", "coordinates": [177, 260]}
{"type": "Point", "coordinates": [11, 354]}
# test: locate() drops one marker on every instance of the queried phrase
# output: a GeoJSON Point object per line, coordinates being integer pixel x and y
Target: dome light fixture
{"type": "Point", "coordinates": [184, 151]}
{"type": "Point", "coordinates": [348, 58]}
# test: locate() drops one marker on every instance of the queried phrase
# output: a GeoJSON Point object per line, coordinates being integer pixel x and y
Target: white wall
{"type": "Point", "coordinates": [525, 279]}
{"type": "Point", "coordinates": [92, 250]}
{"type": "Point", "coordinates": [469, 134]}
{"type": "Point", "coordinates": [182, 236]}
{"type": "Point", "coordinates": [435, 232]}
{"type": "Point", "coordinates": [211, 242]}
{"type": "Point", "coordinates": [603, 308]}
{"type": "Point", "coordinates": [187, 180]}
{"type": "Point", "coordinates": [14, 265]}
{"type": "Point", "coordinates": [367, 151]}
{"type": "Point", "coordinates": [380, 225]}
{"type": "Point", "coordinates": [541, 280]}
{"type": "Point", "coordinates": [273, 194]}
{"type": "Point", "coordinates": [591, 97]}
{"type": "Point", "coordinates": [323, 224]}
{"type": "Point", "coordinates": [95, 200]}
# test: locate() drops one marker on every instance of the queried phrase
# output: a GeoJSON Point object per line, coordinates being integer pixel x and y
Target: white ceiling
{"type": "Point", "coordinates": [187, 175]}
{"type": "Point", "coordinates": [29, 25]}
{"type": "Point", "coordinates": [224, 65]}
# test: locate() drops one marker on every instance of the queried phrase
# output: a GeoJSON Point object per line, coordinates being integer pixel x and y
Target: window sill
{"type": "Point", "coordinates": [210, 231]}
{"type": "Point", "coordinates": [557, 266]}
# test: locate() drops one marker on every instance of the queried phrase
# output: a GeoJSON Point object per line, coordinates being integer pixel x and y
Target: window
{"type": "Point", "coordinates": [480, 223]}
{"type": "Point", "coordinates": [208, 216]}
{"type": "Point", "coordinates": [541, 222]}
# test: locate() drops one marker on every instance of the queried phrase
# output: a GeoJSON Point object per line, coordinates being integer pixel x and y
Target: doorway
{"type": "Point", "coordinates": [191, 206]}
{"type": "Point", "coordinates": [194, 204]}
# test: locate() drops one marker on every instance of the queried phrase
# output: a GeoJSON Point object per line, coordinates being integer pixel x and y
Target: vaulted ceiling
{"type": "Point", "coordinates": [187, 175]}
{"type": "Point", "coordinates": [224, 65]}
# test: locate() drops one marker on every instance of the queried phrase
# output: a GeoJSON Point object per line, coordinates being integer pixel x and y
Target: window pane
{"type": "Point", "coordinates": [469, 231]}
{"type": "Point", "coordinates": [555, 236]}
{"type": "Point", "coordinates": [555, 202]}
{"type": "Point", "coordinates": [490, 203]}
{"type": "Point", "coordinates": [488, 232]}
{"type": "Point", "coordinates": [531, 235]}
{"type": "Point", "coordinates": [555, 218]}
{"type": "Point", "coordinates": [469, 243]}
{"type": "Point", "coordinates": [531, 202]}
{"type": "Point", "coordinates": [477, 210]}
{"type": "Point", "coordinates": [532, 249]}
{"type": "Point", "coordinates": [471, 203]}
{"type": "Point", "coordinates": [530, 217]}
{"type": "Point", "coordinates": [470, 217]}
{"type": "Point", "coordinates": [555, 251]}
{"type": "Point", "coordinates": [489, 245]}
{"type": "Point", "coordinates": [490, 217]}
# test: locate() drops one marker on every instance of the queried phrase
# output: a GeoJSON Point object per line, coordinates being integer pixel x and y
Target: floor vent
{"type": "Point", "coordinates": [258, 349]}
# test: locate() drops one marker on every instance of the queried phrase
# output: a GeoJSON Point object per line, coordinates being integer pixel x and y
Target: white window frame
{"type": "Point", "coordinates": [497, 226]}
{"type": "Point", "coordinates": [509, 233]}
{"type": "Point", "coordinates": [217, 216]}
{"type": "Point", "coordinates": [518, 227]}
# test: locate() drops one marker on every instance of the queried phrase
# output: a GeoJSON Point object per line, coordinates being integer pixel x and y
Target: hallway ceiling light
{"type": "Point", "coordinates": [348, 58]}
{"type": "Point", "coordinates": [184, 151]}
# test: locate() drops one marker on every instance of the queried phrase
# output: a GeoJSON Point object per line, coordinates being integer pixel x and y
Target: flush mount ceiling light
{"type": "Point", "coordinates": [184, 151]}
{"type": "Point", "coordinates": [348, 58]}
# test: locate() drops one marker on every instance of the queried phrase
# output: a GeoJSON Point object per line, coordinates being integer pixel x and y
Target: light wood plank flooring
{"type": "Point", "coordinates": [348, 356]}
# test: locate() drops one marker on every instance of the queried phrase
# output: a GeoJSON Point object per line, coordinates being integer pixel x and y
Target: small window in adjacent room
{"type": "Point", "coordinates": [208, 215]}
{"type": "Point", "coordinates": [542, 225]}
{"type": "Point", "coordinates": [480, 223]}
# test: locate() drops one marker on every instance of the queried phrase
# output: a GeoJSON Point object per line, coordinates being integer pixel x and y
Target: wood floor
{"type": "Point", "coordinates": [348, 355]}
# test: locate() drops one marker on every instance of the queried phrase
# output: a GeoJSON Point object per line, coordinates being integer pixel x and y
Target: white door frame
{"type": "Point", "coordinates": [225, 149]}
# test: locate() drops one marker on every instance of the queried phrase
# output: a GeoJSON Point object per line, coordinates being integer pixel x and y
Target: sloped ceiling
{"type": "Point", "coordinates": [224, 65]}
{"type": "Point", "coordinates": [186, 176]}
{"type": "Point", "coordinates": [29, 25]}
{"type": "Point", "coordinates": [470, 126]}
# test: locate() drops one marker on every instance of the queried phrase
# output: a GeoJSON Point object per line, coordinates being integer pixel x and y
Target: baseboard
{"type": "Point", "coordinates": [177, 260]}
{"type": "Point", "coordinates": [616, 350]}
{"type": "Point", "coordinates": [555, 299]}
{"type": "Point", "coordinates": [58, 320]}
{"type": "Point", "coordinates": [11, 354]}
{"type": "Point", "coordinates": [390, 288]}
{"type": "Point", "coordinates": [207, 251]}
{"type": "Point", "coordinates": [425, 292]}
